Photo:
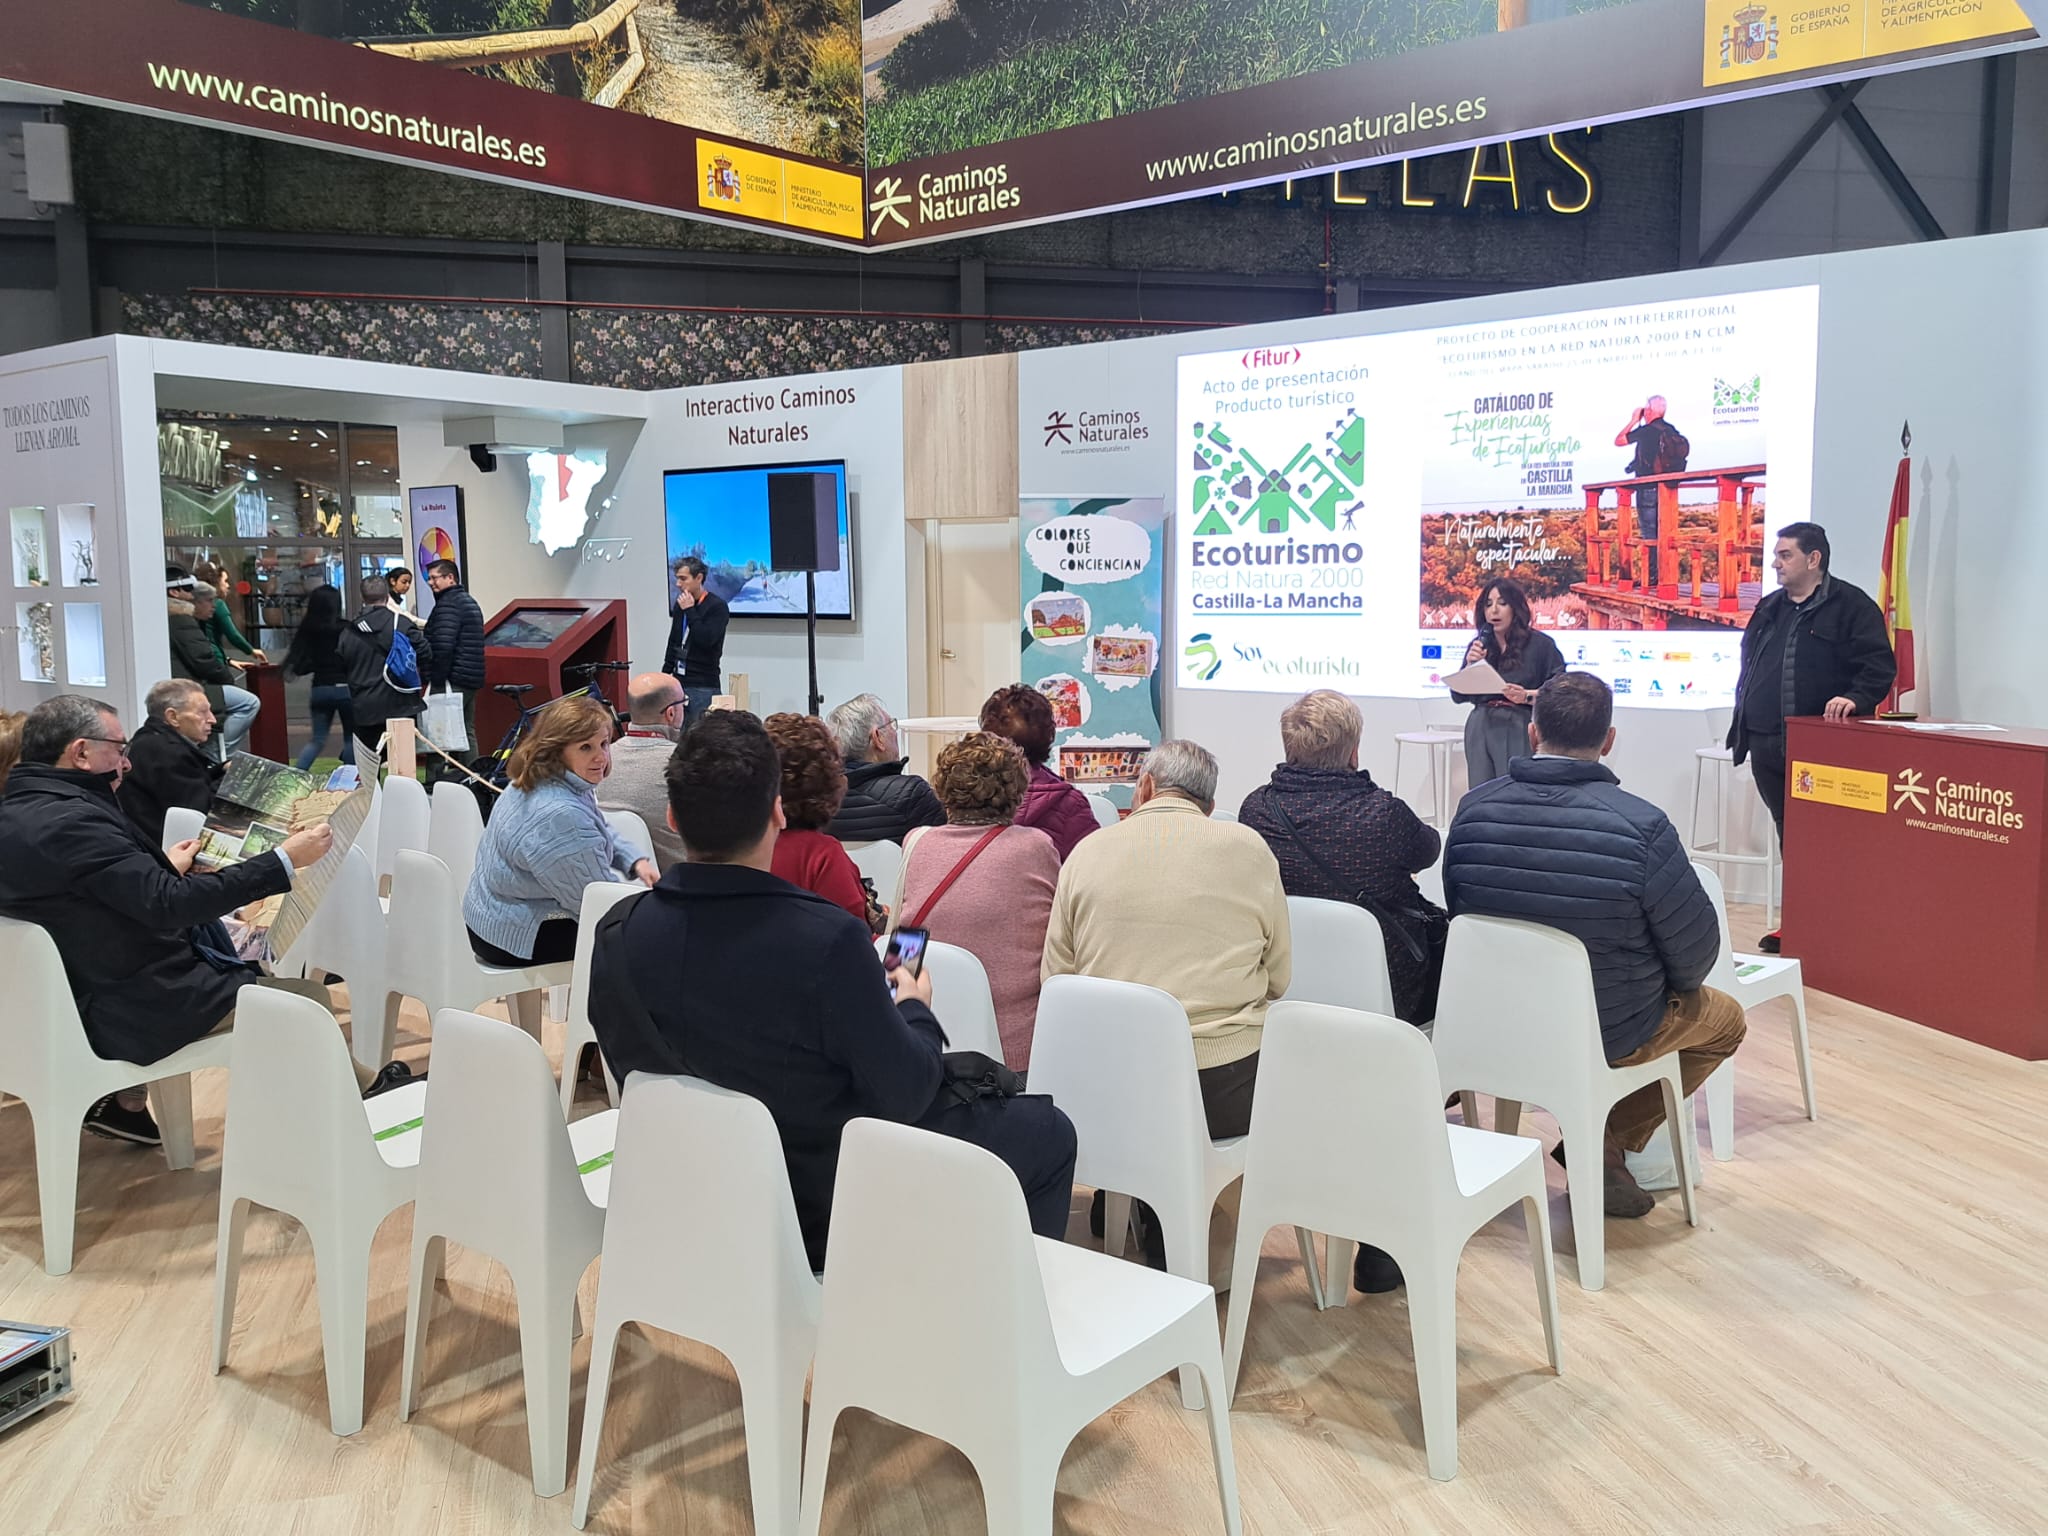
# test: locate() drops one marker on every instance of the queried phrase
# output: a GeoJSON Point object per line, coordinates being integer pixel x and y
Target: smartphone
{"type": "Point", "coordinates": [906, 950]}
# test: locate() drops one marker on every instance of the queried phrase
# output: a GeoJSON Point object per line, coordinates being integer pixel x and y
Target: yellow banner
{"type": "Point", "coordinates": [789, 192]}
{"type": "Point", "coordinates": [1857, 788]}
{"type": "Point", "coordinates": [1754, 39]}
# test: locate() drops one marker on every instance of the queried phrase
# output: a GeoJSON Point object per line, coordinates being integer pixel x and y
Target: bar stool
{"type": "Point", "coordinates": [1439, 741]}
{"type": "Point", "coordinates": [1718, 764]}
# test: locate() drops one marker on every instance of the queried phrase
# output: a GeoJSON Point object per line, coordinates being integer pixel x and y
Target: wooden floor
{"type": "Point", "coordinates": [1854, 1343]}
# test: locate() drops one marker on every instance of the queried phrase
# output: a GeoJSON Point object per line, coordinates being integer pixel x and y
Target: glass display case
{"type": "Point", "coordinates": [37, 642]}
{"type": "Point", "coordinates": [85, 646]}
{"type": "Point", "coordinates": [78, 544]}
{"type": "Point", "coordinates": [29, 538]}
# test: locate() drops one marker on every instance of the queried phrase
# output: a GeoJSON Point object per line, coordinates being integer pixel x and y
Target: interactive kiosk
{"type": "Point", "coordinates": [555, 645]}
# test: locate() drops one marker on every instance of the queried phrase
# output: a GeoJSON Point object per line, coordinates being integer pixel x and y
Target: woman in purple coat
{"type": "Point", "coordinates": [1051, 804]}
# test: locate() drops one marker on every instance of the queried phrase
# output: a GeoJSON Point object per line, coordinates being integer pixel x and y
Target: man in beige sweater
{"type": "Point", "coordinates": [1192, 906]}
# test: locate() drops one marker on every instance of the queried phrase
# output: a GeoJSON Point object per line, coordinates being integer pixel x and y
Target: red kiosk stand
{"type": "Point", "coordinates": [539, 639]}
{"type": "Point", "coordinates": [1916, 863]}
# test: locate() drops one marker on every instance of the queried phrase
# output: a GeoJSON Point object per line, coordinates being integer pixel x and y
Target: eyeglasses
{"type": "Point", "coordinates": [112, 741]}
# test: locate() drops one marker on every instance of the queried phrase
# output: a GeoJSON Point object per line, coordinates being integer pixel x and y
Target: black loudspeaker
{"type": "Point", "coordinates": [803, 521]}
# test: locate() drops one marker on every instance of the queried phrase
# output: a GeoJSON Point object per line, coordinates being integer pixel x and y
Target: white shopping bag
{"type": "Point", "coordinates": [444, 721]}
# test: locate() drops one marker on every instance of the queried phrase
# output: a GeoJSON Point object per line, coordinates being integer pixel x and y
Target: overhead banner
{"type": "Point", "coordinates": [986, 113]}
{"type": "Point", "coordinates": [644, 102]}
{"type": "Point", "coordinates": [1093, 577]}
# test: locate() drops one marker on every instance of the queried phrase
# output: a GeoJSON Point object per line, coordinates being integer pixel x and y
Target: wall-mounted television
{"type": "Point", "coordinates": [720, 515]}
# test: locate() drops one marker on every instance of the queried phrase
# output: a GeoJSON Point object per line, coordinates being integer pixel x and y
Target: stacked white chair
{"type": "Point", "coordinates": [1104, 809]}
{"type": "Point", "coordinates": [881, 863]}
{"type": "Point", "coordinates": [962, 999]}
{"type": "Point", "coordinates": [1407, 1183]}
{"type": "Point", "coordinates": [346, 938]}
{"type": "Point", "coordinates": [1058, 1335]}
{"type": "Point", "coordinates": [1117, 1058]}
{"type": "Point", "coordinates": [47, 1063]}
{"type": "Point", "coordinates": [404, 824]}
{"type": "Point", "coordinates": [500, 1172]}
{"type": "Point", "coordinates": [455, 829]}
{"type": "Point", "coordinates": [300, 1139]}
{"type": "Point", "coordinates": [1538, 1042]}
{"type": "Point", "coordinates": [719, 1260]}
{"type": "Point", "coordinates": [1752, 980]}
{"type": "Point", "coordinates": [429, 956]}
{"type": "Point", "coordinates": [598, 898]}
{"type": "Point", "coordinates": [1340, 956]}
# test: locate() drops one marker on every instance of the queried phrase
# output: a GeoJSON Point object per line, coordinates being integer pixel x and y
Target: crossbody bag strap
{"type": "Point", "coordinates": [953, 874]}
{"type": "Point", "coordinates": [1390, 924]}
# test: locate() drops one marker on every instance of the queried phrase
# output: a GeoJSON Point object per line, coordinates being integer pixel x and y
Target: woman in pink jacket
{"type": "Point", "coordinates": [1051, 804]}
{"type": "Point", "coordinates": [984, 883]}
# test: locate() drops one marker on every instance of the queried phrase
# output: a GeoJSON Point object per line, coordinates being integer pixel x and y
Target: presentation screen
{"type": "Point", "coordinates": [721, 517]}
{"type": "Point", "coordinates": [1344, 503]}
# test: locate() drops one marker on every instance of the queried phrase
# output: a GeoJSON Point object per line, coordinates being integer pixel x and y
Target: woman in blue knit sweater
{"type": "Point", "coordinates": [547, 840]}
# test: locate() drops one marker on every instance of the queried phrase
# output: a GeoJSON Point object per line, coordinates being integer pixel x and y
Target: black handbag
{"type": "Point", "coordinates": [972, 1075]}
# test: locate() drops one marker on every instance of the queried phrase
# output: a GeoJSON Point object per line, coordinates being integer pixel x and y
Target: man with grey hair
{"type": "Point", "coordinates": [1176, 900]}
{"type": "Point", "coordinates": [168, 764]}
{"type": "Point", "coordinates": [638, 781]}
{"type": "Point", "coordinates": [883, 803]}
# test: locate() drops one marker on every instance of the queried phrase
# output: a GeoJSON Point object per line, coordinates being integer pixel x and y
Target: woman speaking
{"type": "Point", "coordinates": [1526, 658]}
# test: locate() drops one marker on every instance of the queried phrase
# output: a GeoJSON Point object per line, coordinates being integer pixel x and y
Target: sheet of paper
{"type": "Point", "coordinates": [1940, 725]}
{"type": "Point", "coordinates": [1479, 678]}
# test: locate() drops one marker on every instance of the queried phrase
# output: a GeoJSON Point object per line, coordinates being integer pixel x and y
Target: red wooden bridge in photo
{"type": "Point", "coordinates": [1718, 563]}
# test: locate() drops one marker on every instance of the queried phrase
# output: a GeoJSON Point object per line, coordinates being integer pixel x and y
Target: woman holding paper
{"type": "Point", "coordinates": [1523, 659]}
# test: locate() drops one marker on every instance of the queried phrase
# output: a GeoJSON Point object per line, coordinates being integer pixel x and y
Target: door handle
{"type": "Point", "coordinates": [945, 655]}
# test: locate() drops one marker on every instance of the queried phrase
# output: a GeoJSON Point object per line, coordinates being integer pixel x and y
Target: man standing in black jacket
{"type": "Point", "coordinates": [696, 639]}
{"type": "Point", "coordinates": [365, 647]}
{"type": "Point", "coordinates": [136, 927]}
{"type": "Point", "coordinates": [1816, 646]}
{"type": "Point", "coordinates": [785, 999]}
{"type": "Point", "coordinates": [455, 637]}
{"type": "Point", "coordinates": [167, 761]}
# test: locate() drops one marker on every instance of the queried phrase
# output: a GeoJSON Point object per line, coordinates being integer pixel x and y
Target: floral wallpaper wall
{"type": "Point", "coordinates": [478, 338]}
{"type": "Point", "coordinates": [648, 349]}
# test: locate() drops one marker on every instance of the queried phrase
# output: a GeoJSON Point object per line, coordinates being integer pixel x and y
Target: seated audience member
{"type": "Point", "coordinates": [813, 784]}
{"type": "Point", "coordinates": [1558, 841]}
{"type": "Point", "coordinates": [638, 781]}
{"type": "Point", "coordinates": [10, 743]}
{"type": "Point", "coordinates": [983, 883]}
{"type": "Point", "coordinates": [138, 929]}
{"type": "Point", "coordinates": [168, 764]}
{"type": "Point", "coordinates": [1051, 804]}
{"type": "Point", "coordinates": [882, 801]}
{"type": "Point", "coordinates": [1341, 837]}
{"type": "Point", "coordinates": [546, 840]}
{"type": "Point", "coordinates": [785, 999]}
{"type": "Point", "coordinates": [192, 656]}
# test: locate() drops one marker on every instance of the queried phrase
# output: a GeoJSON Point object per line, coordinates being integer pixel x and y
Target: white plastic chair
{"type": "Point", "coordinates": [1537, 1041]}
{"type": "Point", "coordinates": [301, 1139]}
{"type": "Point", "coordinates": [1431, 881]}
{"type": "Point", "coordinates": [962, 999]}
{"type": "Point", "coordinates": [1062, 1334]}
{"type": "Point", "coordinates": [406, 819]}
{"type": "Point", "coordinates": [181, 822]}
{"type": "Point", "coordinates": [719, 1260]}
{"type": "Point", "coordinates": [47, 1063]}
{"type": "Point", "coordinates": [631, 827]}
{"type": "Point", "coordinates": [881, 863]}
{"type": "Point", "coordinates": [1104, 809]}
{"type": "Point", "coordinates": [346, 938]}
{"type": "Point", "coordinates": [455, 829]}
{"type": "Point", "coordinates": [429, 955]}
{"type": "Point", "coordinates": [1340, 956]}
{"type": "Point", "coordinates": [499, 1172]}
{"type": "Point", "coordinates": [598, 898]}
{"type": "Point", "coordinates": [1751, 980]}
{"type": "Point", "coordinates": [1407, 1183]}
{"type": "Point", "coordinates": [1118, 1059]}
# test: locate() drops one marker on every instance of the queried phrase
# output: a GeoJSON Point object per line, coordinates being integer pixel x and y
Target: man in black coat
{"type": "Point", "coordinates": [1816, 646]}
{"type": "Point", "coordinates": [696, 639]}
{"type": "Point", "coordinates": [137, 928]}
{"type": "Point", "coordinates": [365, 647]}
{"type": "Point", "coordinates": [1559, 842]}
{"type": "Point", "coordinates": [784, 998]}
{"type": "Point", "coordinates": [455, 637]}
{"type": "Point", "coordinates": [882, 802]}
{"type": "Point", "coordinates": [167, 761]}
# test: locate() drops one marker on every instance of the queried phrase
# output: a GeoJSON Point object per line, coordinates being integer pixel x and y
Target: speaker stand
{"type": "Point", "coordinates": [811, 638]}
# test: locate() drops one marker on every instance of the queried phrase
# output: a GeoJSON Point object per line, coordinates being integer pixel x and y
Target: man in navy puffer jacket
{"type": "Point", "coordinates": [1559, 842]}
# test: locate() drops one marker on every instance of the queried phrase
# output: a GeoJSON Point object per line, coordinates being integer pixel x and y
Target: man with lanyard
{"type": "Point", "coordinates": [696, 639]}
{"type": "Point", "coordinates": [638, 781]}
{"type": "Point", "coordinates": [1816, 646]}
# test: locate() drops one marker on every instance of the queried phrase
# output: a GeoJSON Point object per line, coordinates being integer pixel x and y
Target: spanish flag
{"type": "Point", "coordinates": [1891, 586]}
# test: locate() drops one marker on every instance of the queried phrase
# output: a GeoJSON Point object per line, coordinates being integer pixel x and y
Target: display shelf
{"type": "Point", "coordinates": [28, 535]}
{"type": "Point", "coordinates": [38, 642]}
{"type": "Point", "coordinates": [78, 545]}
{"type": "Point", "coordinates": [85, 646]}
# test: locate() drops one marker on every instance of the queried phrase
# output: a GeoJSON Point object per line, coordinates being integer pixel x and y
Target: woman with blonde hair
{"type": "Point", "coordinates": [547, 839]}
{"type": "Point", "coordinates": [984, 883]}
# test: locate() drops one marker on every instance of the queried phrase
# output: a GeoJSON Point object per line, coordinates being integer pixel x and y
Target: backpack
{"type": "Point", "coordinates": [401, 662]}
{"type": "Point", "coordinates": [1672, 450]}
